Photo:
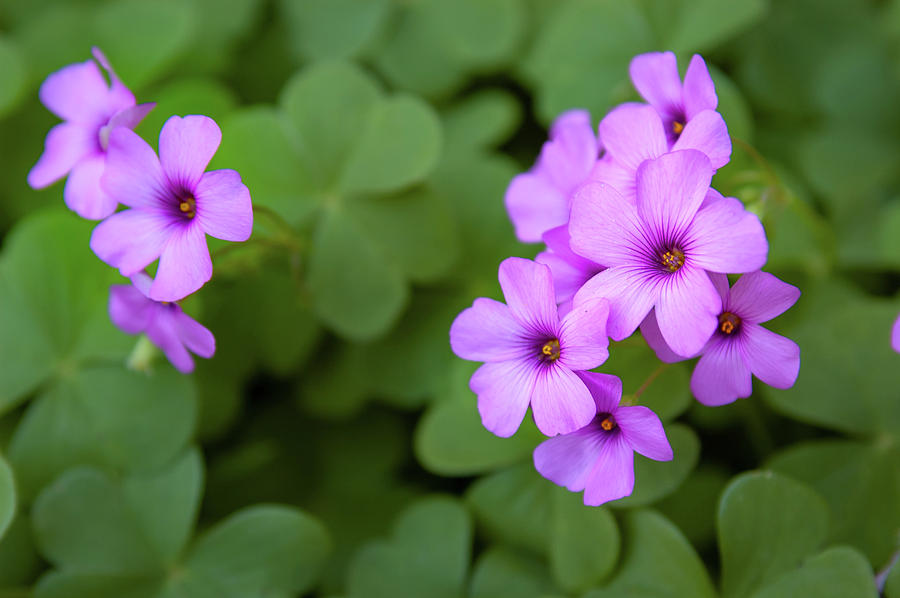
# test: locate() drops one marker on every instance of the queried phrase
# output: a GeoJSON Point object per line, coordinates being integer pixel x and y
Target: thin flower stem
{"type": "Point", "coordinates": [773, 177]}
{"type": "Point", "coordinates": [653, 376]}
{"type": "Point", "coordinates": [275, 219]}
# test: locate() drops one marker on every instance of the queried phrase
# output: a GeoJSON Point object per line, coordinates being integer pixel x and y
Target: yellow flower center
{"type": "Point", "coordinates": [728, 322]}
{"type": "Point", "coordinates": [672, 259]}
{"type": "Point", "coordinates": [677, 127]}
{"type": "Point", "coordinates": [188, 206]}
{"type": "Point", "coordinates": [550, 350]}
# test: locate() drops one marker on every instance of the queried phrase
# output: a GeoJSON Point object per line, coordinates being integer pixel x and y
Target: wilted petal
{"type": "Point", "coordinates": [133, 176]}
{"type": "Point", "coordinates": [699, 92]}
{"type": "Point", "coordinates": [528, 289]}
{"type": "Point", "coordinates": [670, 190]}
{"type": "Point", "coordinates": [566, 460]}
{"type": "Point", "coordinates": [129, 310]}
{"type": "Point", "coordinates": [771, 357]}
{"type": "Point", "coordinates": [504, 389]}
{"type": "Point", "coordinates": [184, 265]}
{"type": "Point", "coordinates": [759, 296]}
{"type": "Point", "coordinates": [534, 206]}
{"type": "Point", "coordinates": [631, 295]}
{"type": "Point", "coordinates": [724, 237]}
{"type": "Point", "coordinates": [583, 341]}
{"type": "Point", "coordinates": [655, 76]}
{"type": "Point", "coordinates": [707, 133]}
{"type": "Point", "coordinates": [644, 432]}
{"type": "Point", "coordinates": [194, 335]}
{"type": "Point", "coordinates": [613, 474]}
{"type": "Point", "coordinates": [83, 194]}
{"type": "Point", "coordinates": [605, 389]}
{"type": "Point", "coordinates": [487, 332]}
{"type": "Point", "coordinates": [186, 145]}
{"type": "Point", "coordinates": [561, 402]}
{"type": "Point", "coordinates": [65, 146]}
{"type": "Point", "coordinates": [131, 240]}
{"type": "Point", "coordinates": [633, 133]}
{"type": "Point", "coordinates": [688, 310]}
{"type": "Point", "coordinates": [721, 376]}
{"type": "Point", "coordinates": [223, 205]}
{"type": "Point", "coordinates": [651, 333]}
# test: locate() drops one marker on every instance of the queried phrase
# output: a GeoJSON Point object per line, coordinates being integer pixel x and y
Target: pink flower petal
{"type": "Point", "coordinates": [163, 333]}
{"type": "Point", "coordinates": [688, 310]}
{"type": "Point", "coordinates": [83, 194]}
{"type": "Point", "coordinates": [613, 474]}
{"type": "Point", "coordinates": [566, 460]}
{"type": "Point", "coordinates": [118, 96]}
{"type": "Point", "coordinates": [65, 146]}
{"type": "Point", "coordinates": [184, 265]}
{"type": "Point", "coordinates": [77, 93]}
{"type": "Point", "coordinates": [707, 133]}
{"type": "Point", "coordinates": [605, 389]}
{"type": "Point", "coordinates": [133, 176]}
{"type": "Point", "coordinates": [644, 432]}
{"type": "Point", "coordinates": [504, 389]}
{"type": "Point", "coordinates": [569, 156]}
{"type": "Point", "coordinates": [528, 289]}
{"type": "Point", "coordinates": [223, 206]}
{"type": "Point", "coordinates": [720, 281]}
{"type": "Point", "coordinates": [655, 76]}
{"type": "Point", "coordinates": [771, 357]}
{"type": "Point", "coordinates": [196, 337]}
{"type": "Point", "coordinates": [670, 190]}
{"type": "Point", "coordinates": [721, 376]}
{"type": "Point", "coordinates": [583, 341]}
{"type": "Point", "coordinates": [186, 145]}
{"type": "Point", "coordinates": [132, 239]}
{"type": "Point", "coordinates": [617, 176]}
{"type": "Point", "coordinates": [129, 117]}
{"type": "Point", "coordinates": [633, 133]}
{"type": "Point", "coordinates": [560, 401]}
{"type": "Point", "coordinates": [724, 237]}
{"type": "Point", "coordinates": [895, 335]}
{"type": "Point", "coordinates": [605, 227]}
{"type": "Point", "coordinates": [651, 333]}
{"type": "Point", "coordinates": [699, 92]}
{"type": "Point", "coordinates": [630, 293]}
{"type": "Point", "coordinates": [759, 296]}
{"type": "Point", "coordinates": [534, 206]}
{"type": "Point", "coordinates": [570, 270]}
{"type": "Point", "coordinates": [487, 332]}
{"type": "Point", "coordinates": [129, 310]}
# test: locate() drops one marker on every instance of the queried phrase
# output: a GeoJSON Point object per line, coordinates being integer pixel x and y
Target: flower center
{"type": "Point", "coordinates": [728, 322]}
{"type": "Point", "coordinates": [608, 422]}
{"type": "Point", "coordinates": [673, 259]}
{"type": "Point", "coordinates": [550, 350]}
{"type": "Point", "coordinates": [188, 206]}
{"type": "Point", "coordinates": [677, 127]}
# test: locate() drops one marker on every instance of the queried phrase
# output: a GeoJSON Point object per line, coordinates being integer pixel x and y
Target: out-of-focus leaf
{"type": "Point", "coordinates": [654, 480]}
{"type": "Point", "coordinates": [686, 26]}
{"type": "Point", "coordinates": [501, 572]}
{"type": "Point", "coordinates": [322, 29]}
{"type": "Point", "coordinates": [435, 534]}
{"type": "Point", "coordinates": [103, 416]}
{"type": "Point", "coordinates": [835, 573]}
{"type": "Point", "coordinates": [693, 506]}
{"type": "Point", "coordinates": [19, 560]}
{"type": "Point", "coordinates": [658, 562]}
{"type": "Point", "coordinates": [224, 24]}
{"type": "Point", "coordinates": [768, 524]}
{"type": "Point", "coordinates": [584, 543]}
{"type": "Point", "coordinates": [7, 497]}
{"type": "Point", "coordinates": [187, 96]}
{"type": "Point", "coordinates": [860, 482]}
{"type": "Point", "coordinates": [12, 74]}
{"type": "Point", "coordinates": [481, 120]}
{"type": "Point", "coordinates": [664, 387]}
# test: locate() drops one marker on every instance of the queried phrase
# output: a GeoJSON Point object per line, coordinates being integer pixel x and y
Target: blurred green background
{"type": "Point", "coordinates": [332, 447]}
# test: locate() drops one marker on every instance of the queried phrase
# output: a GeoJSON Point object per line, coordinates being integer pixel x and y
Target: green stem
{"type": "Point", "coordinates": [653, 376]}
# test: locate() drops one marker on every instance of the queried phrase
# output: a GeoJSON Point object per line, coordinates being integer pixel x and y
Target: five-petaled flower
{"type": "Point", "coordinates": [174, 205]}
{"type": "Point", "coordinates": [658, 249]}
{"type": "Point", "coordinates": [91, 109]}
{"type": "Point", "coordinates": [599, 457]}
{"type": "Point", "coordinates": [531, 355]}
{"type": "Point", "coordinates": [740, 346]}
{"type": "Point", "coordinates": [164, 323]}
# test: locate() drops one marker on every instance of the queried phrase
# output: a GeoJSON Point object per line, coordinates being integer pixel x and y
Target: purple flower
{"type": "Point", "coordinates": [91, 109]}
{"type": "Point", "coordinates": [531, 356]}
{"type": "Point", "coordinates": [169, 328]}
{"type": "Point", "coordinates": [895, 335]}
{"type": "Point", "coordinates": [658, 249]}
{"type": "Point", "coordinates": [539, 200]}
{"type": "Point", "coordinates": [633, 133]}
{"type": "Point", "coordinates": [570, 270]}
{"type": "Point", "coordinates": [655, 76]}
{"type": "Point", "coordinates": [175, 204]}
{"type": "Point", "coordinates": [599, 458]}
{"type": "Point", "coordinates": [740, 346]}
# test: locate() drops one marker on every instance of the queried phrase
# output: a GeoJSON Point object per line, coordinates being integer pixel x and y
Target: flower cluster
{"type": "Point", "coordinates": [172, 202]}
{"type": "Point", "coordinates": [635, 237]}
